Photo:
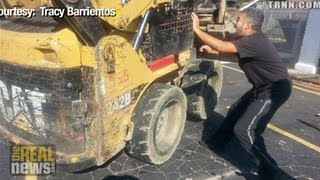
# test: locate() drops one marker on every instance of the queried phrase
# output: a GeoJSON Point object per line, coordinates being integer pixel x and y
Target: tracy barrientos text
{"type": "Point", "coordinates": [70, 11]}
{"type": "Point", "coordinates": [57, 12]}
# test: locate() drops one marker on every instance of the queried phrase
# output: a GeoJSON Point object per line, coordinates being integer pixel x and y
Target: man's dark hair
{"type": "Point", "coordinates": [255, 16]}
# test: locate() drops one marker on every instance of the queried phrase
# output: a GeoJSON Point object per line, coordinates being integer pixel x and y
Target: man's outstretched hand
{"type": "Point", "coordinates": [195, 22]}
{"type": "Point", "coordinates": [208, 49]}
{"type": "Point", "coordinates": [197, 30]}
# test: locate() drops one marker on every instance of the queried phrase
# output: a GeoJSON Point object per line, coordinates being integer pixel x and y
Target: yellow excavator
{"type": "Point", "coordinates": [108, 76]}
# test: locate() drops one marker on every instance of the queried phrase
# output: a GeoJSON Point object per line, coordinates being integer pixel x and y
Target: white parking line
{"type": "Point", "coordinates": [296, 87]}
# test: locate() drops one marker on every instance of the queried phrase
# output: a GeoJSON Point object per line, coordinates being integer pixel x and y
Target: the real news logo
{"type": "Point", "coordinates": [32, 160]}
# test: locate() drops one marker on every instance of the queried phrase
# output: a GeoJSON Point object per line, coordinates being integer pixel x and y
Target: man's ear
{"type": "Point", "coordinates": [248, 25]}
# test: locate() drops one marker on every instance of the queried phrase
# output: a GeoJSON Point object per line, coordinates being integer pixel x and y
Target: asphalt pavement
{"type": "Point", "coordinates": [292, 139]}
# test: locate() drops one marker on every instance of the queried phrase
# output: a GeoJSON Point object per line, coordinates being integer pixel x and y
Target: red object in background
{"type": "Point", "coordinates": [161, 63]}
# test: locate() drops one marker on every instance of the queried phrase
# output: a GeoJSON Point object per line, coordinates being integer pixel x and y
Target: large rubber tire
{"type": "Point", "coordinates": [216, 79]}
{"type": "Point", "coordinates": [203, 95]}
{"type": "Point", "coordinates": [159, 120]}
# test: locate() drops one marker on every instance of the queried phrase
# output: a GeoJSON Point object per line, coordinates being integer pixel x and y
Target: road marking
{"type": "Point", "coordinates": [296, 87]}
{"type": "Point", "coordinates": [291, 136]}
{"type": "Point", "coordinates": [306, 90]}
{"type": "Point", "coordinates": [240, 71]}
{"type": "Point", "coordinates": [283, 132]}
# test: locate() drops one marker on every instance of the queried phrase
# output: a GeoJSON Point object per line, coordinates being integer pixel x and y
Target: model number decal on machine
{"type": "Point", "coordinates": [121, 102]}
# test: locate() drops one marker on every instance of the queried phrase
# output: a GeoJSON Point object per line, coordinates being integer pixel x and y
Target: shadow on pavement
{"type": "Point", "coordinates": [235, 154]}
{"type": "Point", "coordinates": [308, 124]}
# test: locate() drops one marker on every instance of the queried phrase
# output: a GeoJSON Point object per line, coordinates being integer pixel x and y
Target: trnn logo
{"type": "Point", "coordinates": [294, 4]}
{"type": "Point", "coordinates": [32, 160]}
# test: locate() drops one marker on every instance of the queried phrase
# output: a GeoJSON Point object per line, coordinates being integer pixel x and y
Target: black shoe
{"type": "Point", "coordinates": [267, 173]}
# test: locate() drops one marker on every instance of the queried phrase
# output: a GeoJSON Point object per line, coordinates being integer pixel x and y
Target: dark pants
{"type": "Point", "coordinates": [248, 117]}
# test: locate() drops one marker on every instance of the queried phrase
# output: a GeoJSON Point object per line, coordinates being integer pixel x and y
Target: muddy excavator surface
{"type": "Point", "coordinates": [113, 75]}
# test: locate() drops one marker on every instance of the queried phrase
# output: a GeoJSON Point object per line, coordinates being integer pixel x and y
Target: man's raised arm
{"type": "Point", "coordinates": [214, 43]}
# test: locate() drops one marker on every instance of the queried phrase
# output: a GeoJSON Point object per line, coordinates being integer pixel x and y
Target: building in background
{"type": "Point", "coordinates": [294, 31]}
